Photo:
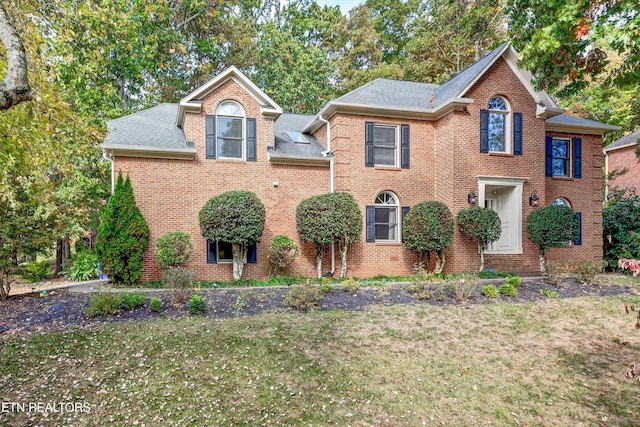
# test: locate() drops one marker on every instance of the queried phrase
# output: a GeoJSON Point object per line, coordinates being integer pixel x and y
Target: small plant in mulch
{"type": "Point", "coordinates": [549, 293]}
{"type": "Point", "coordinates": [429, 286]}
{"type": "Point", "coordinates": [241, 302]}
{"type": "Point", "coordinates": [508, 289]}
{"type": "Point", "coordinates": [197, 305]}
{"type": "Point", "coordinates": [302, 297]}
{"type": "Point", "coordinates": [325, 288]}
{"type": "Point", "coordinates": [351, 285]}
{"type": "Point", "coordinates": [155, 305]}
{"type": "Point", "coordinates": [463, 286]}
{"type": "Point", "coordinates": [104, 304]}
{"type": "Point", "coordinates": [490, 291]}
{"type": "Point", "coordinates": [556, 273]}
{"type": "Point", "coordinates": [587, 270]}
{"type": "Point", "coordinates": [131, 301]}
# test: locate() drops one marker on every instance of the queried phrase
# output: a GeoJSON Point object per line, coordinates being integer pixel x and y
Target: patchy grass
{"type": "Point", "coordinates": [555, 362]}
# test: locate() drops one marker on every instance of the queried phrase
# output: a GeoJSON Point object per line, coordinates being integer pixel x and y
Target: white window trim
{"type": "Point", "coordinates": [396, 156]}
{"type": "Point", "coordinates": [508, 132]}
{"type": "Point", "coordinates": [569, 159]}
{"type": "Point", "coordinates": [397, 206]}
{"type": "Point", "coordinates": [222, 260]}
{"type": "Point", "coordinates": [243, 142]}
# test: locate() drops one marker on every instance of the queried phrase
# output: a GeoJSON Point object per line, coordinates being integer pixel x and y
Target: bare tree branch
{"type": "Point", "coordinates": [15, 88]}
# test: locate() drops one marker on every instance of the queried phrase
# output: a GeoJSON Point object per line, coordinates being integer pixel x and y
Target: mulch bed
{"type": "Point", "coordinates": [63, 311]}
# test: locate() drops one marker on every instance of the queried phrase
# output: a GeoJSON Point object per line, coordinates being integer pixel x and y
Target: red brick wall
{"type": "Point", "coordinates": [445, 164]}
{"type": "Point", "coordinates": [618, 161]}
{"type": "Point", "coordinates": [171, 193]}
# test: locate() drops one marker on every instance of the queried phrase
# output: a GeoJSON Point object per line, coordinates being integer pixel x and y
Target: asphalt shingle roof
{"type": "Point", "coordinates": [285, 147]}
{"type": "Point", "coordinates": [625, 140]}
{"type": "Point", "coordinates": [154, 127]}
{"type": "Point", "coordinates": [391, 93]}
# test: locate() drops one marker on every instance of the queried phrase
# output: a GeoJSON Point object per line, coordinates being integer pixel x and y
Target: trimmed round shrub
{"type": "Point", "coordinates": [428, 227]}
{"type": "Point", "coordinates": [282, 252]}
{"type": "Point", "coordinates": [481, 224]}
{"type": "Point", "coordinates": [552, 227]}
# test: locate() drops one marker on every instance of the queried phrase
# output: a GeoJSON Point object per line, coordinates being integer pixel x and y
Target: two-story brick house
{"type": "Point", "coordinates": [486, 137]}
{"type": "Point", "coordinates": [622, 163]}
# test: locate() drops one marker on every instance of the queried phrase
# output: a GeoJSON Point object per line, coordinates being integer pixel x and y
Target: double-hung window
{"type": "Point", "coordinates": [561, 155]}
{"type": "Point", "coordinates": [387, 145]}
{"type": "Point", "coordinates": [222, 252]}
{"type": "Point", "coordinates": [230, 130]}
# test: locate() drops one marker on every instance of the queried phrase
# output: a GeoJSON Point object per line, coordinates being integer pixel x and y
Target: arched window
{"type": "Point", "coordinates": [387, 213]}
{"type": "Point", "coordinates": [499, 125]}
{"type": "Point", "coordinates": [561, 201]}
{"type": "Point", "coordinates": [230, 130]}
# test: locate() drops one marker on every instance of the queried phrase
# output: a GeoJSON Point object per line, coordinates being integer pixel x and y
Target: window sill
{"type": "Point", "coordinates": [563, 178]}
{"type": "Point", "coordinates": [387, 168]}
{"type": "Point", "coordinates": [499, 154]}
{"type": "Point", "coordinates": [228, 160]}
{"type": "Point", "coordinates": [388, 244]}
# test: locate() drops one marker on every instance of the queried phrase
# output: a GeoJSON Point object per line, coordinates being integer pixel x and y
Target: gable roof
{"type": "Point", "coordinates": [193, 101]}
{"type": "Point", "coordinates": [396, 98]}
{"type": "Point", "coordinates": [151, 132]}
{"type": "Point", "coordinates": [624, 142]}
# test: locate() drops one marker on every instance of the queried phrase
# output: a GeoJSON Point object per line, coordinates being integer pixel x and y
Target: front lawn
{"type": "Point", "coordinates": [553, 362]}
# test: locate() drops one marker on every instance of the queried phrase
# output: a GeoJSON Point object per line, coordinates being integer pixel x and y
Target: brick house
{"type": "Point", "coordinates": [620, 156]}
{"type": "Point", "coordinates": [485, 136]}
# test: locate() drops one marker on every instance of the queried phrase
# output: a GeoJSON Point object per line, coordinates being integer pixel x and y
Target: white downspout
{"type": "Point", "coordinates": [331, 185]}
{"type": "Point", "coordinates": [606, 179]}
{"type": "Point", "coordinates": [108, 156]}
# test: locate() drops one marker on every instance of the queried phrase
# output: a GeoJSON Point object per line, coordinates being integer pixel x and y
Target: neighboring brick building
{"type": "Point", "coordinates": [391, 144]}
{"type": "Point", "coordinates": [622, 163]}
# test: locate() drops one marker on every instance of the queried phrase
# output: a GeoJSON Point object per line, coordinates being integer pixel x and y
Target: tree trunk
{"type": "Point", "coordinates": [63, 253]}
{"type": "Point", "coordinates": [541, 260]}
{"type": "Point", "coordinates": [319, 261]}
{"type": "Point", "coordinates": [5, 284]}
{"type": "Point", "coordinates": [343, 254]}
{"type": "Point", "coordinates": [481, 247]}
{"type": "Point", "coordinates": [239, 259]}
{"type": "Point", "coordinates": [14, 89]}
{"type": "Point", "coordinates": [440, 261]}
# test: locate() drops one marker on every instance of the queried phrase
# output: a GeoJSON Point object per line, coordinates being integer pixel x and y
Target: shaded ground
{"type": "Point", "coordinates": [62, 310]}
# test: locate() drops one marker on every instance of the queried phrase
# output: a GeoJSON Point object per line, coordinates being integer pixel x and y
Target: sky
{"type": "Point", "coordinates": [345, 5]}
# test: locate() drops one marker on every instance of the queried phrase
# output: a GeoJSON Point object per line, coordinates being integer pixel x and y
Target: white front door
{"type": "Point", "coordinates": [504, 197]}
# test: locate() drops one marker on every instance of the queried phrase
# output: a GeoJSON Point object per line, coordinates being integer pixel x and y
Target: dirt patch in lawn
{"type": "Point", "coordinates": [62, 310]}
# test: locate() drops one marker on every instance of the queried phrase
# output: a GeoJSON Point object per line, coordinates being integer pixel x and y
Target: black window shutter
{"type": "Point", "coordinates": [577, 157]}
{"type": "Point", "coordinates": [404, 146]}
{"type": "Point", "coordinates": [405, 211]}
{"type": "Point", "coordinates": [484, 131]}
{"type": "Point", "coordinates": [211, 137]}
{"type": "Point", "coordinates": [368, 144]}
{"type": "Point", "coordinates": [549, 156]}
{"type": "Point", "coordinates": [578, 241]}
{"type": "Point", "coordinates": [371, 223]}
{"type": "Point", "coordinates": [212, 255]}
{"type": "Point", "coordinates": [517, 134]}
{"type": "Point", "coordinates": [251, 140]}
{"type": "Point", "coordinates": [252, 254]}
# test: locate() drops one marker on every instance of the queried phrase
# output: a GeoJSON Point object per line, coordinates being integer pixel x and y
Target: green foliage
{"type": "Point", "coordinates": [155, 305]}
{"type": "Point", "coordinates": [235, 217]}
{"type": "Point", "coordinates": [36, 271]}
{"type": "Point", "coordinates": [84, 267]}
{"type": "Point", "coordinates": [490, 291]}
{"type": "Point", "coordinates": [491, 274]}
{"type": "Point", "coordinates": [325, 288]}
{"type": "Point", "coordinates": [123, 236]}
{"type": "Point", "coordinates": [173, 249]}
{"type": "Point", "coordinates": [508, 289]}
{"type": "Point", "coordinates": [549, 293]}
{"type": "Point", "coordinates": [351, 285]}
{"type": "Point", "coordinates": [197, 305]}
{"type": "Point", "coordinates": [302, 297]}
{"type": "Point", "coordinates": [481, 224]}
{"type": "Point", "coordinates": [241, 302]}
{"type": "Point", "coordinates": [566, 42]}
{"type": "Point", "coordinates": [513, 281]}
{"type": "Point", "coordinates": [427, 286]}
{"type": "Point", "coordinates": [282, 251]}
{"type": "Point", "coordinates": [428, 227]}
{"type": "Point", "coordinates": [132, 300]}
{"type": "Point", "coordinates": [104, 304]}
{"type": "Point", "coordinates": [329, 218]}
{"type": "Point", "coordinates": [552, 226]}
{"type": "Point", "coordinates": [586, 270]}
{"type": "Point", "coordinates": [620, 218]}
